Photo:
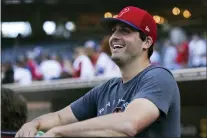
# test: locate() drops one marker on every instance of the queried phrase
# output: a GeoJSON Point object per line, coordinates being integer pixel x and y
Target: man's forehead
{"type": "Point", "coordinates": [120, 24]}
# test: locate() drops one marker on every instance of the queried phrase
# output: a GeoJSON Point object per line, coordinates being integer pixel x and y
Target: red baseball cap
{"type": "Point", "coordinates": [135, 17]}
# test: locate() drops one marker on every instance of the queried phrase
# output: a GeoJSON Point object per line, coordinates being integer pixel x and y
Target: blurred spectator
{"type": "Point", "coordinates": [82, 65]}
{"type": "Point", "coordinates": [14, 110]}
{"type": "Point", "coordinates": [90, 48]}
{"type": "Point", "coordinates": [105, 46]}
{"type": "Point", "coordinates": [182, 56]}
{"type": "Point", "coordinates": [170, 54]}
{"type": "Point", "coordinates": [105, 66]}
{"type": "Point", "coordinates": [50, 69]}
{"type": "Point", "coordinates": [177, 35]}
{"type": "Point", "coordinates": [197, 52]}
{"type": "Point", "coordinates": [66, 66]}
{"type": "Point", "coordinates": [155, 58]}
{"type": "Point", "coordinates": [22, 75]}
{"type": "Point", "coordinates": [59, 59]}
{"type": "Point", "coordinates": [33, 67]}
{"type": "Point", "coordinates": [8, 73]}
{"type": "Point", "coordinates": [179, 39]}
{"type": "Point", "coordinates": [68, 69]}
{"type": "Point", "coordinates": [38, 50]}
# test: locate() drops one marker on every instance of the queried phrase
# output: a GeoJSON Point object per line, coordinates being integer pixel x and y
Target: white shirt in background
{"type": "Point", "coordinates": [169, 58]}
{"type": "Point", "coordinates": [22, 76]}
{"type": "Point", "coordinates": [50, 69]}
{"type": "Point", "coordinates": [84, 64]}
{"type": "Point", "coordinates": [108, 67]}
{"type": "Point", "coordinates": [196, 51]}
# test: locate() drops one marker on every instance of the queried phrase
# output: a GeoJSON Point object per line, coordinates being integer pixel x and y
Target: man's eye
{"type": "Point", "coordinates": [125, 30]}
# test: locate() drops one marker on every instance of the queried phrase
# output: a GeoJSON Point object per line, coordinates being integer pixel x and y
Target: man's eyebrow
{"type": "Point", "coordinates": [127, 26]}
{"type": "Point", "coordinates": [121, 26]}
{"type": "Point", "coordinates": [124, 25]}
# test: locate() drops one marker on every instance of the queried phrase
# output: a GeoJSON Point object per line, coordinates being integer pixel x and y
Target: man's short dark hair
{"type": "Point", "coordinates": [143, 37]}
{"type": "Point", "coordinates": [14, 110]}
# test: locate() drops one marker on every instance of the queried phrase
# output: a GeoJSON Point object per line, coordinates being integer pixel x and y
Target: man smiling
{"type": "Point", "coordinates": [145, 102]}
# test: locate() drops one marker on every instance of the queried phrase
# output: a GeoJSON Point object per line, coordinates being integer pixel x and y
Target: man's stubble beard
{"type": "Point", "coordinates": [118, 61]}
{"type": "Point", "coordinates": [123, 61]}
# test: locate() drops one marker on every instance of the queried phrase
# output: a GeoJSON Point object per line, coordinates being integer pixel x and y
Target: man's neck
{"type": "Point", "coordinates": [129, 71]}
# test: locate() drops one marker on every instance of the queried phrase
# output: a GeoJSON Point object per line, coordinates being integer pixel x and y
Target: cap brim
{"type": "Point", "coordinates": [107, 23]}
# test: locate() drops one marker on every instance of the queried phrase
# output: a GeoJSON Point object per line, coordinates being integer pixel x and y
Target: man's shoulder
{"type": "Point", "coordinates": [155, 73]}
{"type": "Point", "coordinates": [161, 76]}
{"type": "Point", "coordinates": [157, 70]}
{"type": "Point", "coordinates": [106, 87]}
{"type": "Point", "coordinates": [115, 79]}
{"type": "Point", "coordinates": [108, 84]}
{"type": "Point", "coordinates": [111, 82]}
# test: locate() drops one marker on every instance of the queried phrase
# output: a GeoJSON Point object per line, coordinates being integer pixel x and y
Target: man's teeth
{"type": "Point", "coordinates": [118, 46]}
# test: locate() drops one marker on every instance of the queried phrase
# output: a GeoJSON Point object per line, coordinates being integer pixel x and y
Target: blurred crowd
{"type": "Point", "coordinates": [179, 51]}
{"type": "Point", "coordinates": [88, 61]}
{"type": "Point", "coordinates": [93, 59]}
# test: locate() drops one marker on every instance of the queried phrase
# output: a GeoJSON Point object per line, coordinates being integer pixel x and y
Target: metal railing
{"type": "Point", "coordinates": [180, 75]}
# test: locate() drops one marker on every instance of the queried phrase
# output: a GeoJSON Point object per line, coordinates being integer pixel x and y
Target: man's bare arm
{"type": "Point", "coordinates": [139, 114]}
{"type": "Point", "coordinates": [61, 117]}
{"type": "Point", "coordinates": [103, 126]}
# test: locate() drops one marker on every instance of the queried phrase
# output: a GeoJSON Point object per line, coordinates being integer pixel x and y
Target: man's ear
{"type": "Point", "coordinates": [148, 42]}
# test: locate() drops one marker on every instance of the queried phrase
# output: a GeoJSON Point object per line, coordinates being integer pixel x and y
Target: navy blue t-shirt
{"type": "Point", "coordinates": [155, 83]}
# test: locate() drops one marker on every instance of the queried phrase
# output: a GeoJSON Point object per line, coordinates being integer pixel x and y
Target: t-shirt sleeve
{"type": "Point", "coordinates": [86, 106]}
{"type": "Point", "coordinates": [158, 86]}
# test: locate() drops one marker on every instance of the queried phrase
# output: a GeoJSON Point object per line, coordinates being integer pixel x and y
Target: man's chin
{"type": "Point", "coordinates": [117, 59]}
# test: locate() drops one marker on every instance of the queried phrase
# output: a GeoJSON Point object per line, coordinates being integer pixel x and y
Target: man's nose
{"type": "Point", "coordinates": [115, 36]}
